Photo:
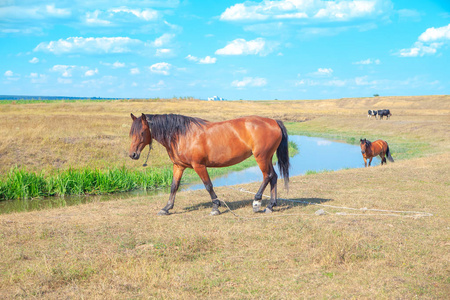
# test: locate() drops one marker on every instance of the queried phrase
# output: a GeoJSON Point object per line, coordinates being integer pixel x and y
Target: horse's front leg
{"type": "Point", "coordinates": [365, 162]}
{"type": "Point", "coordinates": [204, 176]}
{"type": "Point", "coordinates": [370, 161]}
{"type": "Point", "coordinates": [177, 173]}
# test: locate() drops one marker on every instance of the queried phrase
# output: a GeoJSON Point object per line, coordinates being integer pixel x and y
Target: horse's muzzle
{"type": "Point", "coordinates": [362, 152]}
{"type": "Point", "coordinates": [134, 155]}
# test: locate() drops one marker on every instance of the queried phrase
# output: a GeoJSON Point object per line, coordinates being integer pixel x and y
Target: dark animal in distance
{"type": "Point", "coordinates": [371, 113]}
{"type": "Point", "coordinates": [198, 144]}
{"type": "Point", "coordinates": [369, 150]}
{"type": "Point", "coordinates": [384, 113]}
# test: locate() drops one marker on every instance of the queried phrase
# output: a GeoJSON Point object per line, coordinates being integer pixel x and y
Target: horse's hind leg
{"type": "Point", "coordinates": [273, 191]}
{"type": "Point", "coordinates": [269, 175]}
{"type": "Point", "coordinates": [177, 173]}
{"type": "Point", "coordinates": [204, 176]}
{"type": "Point", "coordinates": [383, 158]}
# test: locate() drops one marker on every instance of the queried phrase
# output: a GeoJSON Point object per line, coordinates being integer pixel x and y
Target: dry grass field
{"type": "Point", "coordinates": [121, 249]}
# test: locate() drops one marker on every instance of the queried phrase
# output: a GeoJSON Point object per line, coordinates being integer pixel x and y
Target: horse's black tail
{"type": "Point", "coordinates": [283, 155]}
{"type": "Point", "coordinates": [388, 154]}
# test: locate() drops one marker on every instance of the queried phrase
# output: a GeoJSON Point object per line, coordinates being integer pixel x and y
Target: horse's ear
{"type": "Point", "coordinates": [144, 120]}
{"type": "Point", "coordinates": [133, 117]}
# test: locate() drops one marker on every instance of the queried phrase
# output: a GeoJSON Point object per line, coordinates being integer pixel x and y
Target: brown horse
{"type": "Point", "coordinates": [198, 144]}
{"type": "Point", "coordinates": [369, 150]}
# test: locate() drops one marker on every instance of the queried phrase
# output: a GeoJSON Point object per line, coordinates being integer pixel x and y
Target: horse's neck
{"type": "Point", "coordinates": [369, 149]}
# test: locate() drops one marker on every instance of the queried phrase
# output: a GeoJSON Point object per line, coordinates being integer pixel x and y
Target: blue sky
{"type": "Point", "coordinates": [253, 50]}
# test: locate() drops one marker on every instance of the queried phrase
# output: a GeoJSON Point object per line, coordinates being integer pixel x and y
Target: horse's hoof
{"type": "Point", "coordinates": [163, 212]}
{"type": "Point", "coordinates": [214, 212]}
{"type": "Point", "coordinates": [268, 210]}
{"type": "Point", "coordinates": [256, 206]}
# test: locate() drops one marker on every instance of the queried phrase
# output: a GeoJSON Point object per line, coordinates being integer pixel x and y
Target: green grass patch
{"type": "Point", "coordinates": [21, 184]}
{"type": "Point", "coordinates": [313, 172]}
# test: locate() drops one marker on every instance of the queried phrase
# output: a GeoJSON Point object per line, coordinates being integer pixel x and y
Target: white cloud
{"type": "Point", "coordinates": [345, 10]}
{"type": "Point", "coordinates": [38, 78]}
{"type": "Point", "coordinates": [428, 42]}
{"type": "Point", "coordinates": [436, 34]}
{"type": "Point", "coordinates": [64, 80]}
{"type": "Point", "coordinates": [296, 9]}
{"type": "Point", "coordinates": [34, 60]}
{"type": "Point", "coordinates": [57, 12]}
{"type": "Point", "coordinates": [323, 72]}
{"type": "Point", "coordinates": [91, 45]}
{"type": "Point", "coordinates": [409, 14]}
{"type": "Point", "coordinates": [161, 68]}
{"type": "Point", "coordinates": [242, 12]}
{"type": "Point", "coordinates": [144, 14]}
{"type": "Point", "coordinates": [192, 58]}
{"type": "Point", "coordinates": [9, 73]}
{"type": "Point", "coordinates": [64, 70]}
{"type": "Point", "coordinates": [249, 81]}
{"type": "Point", "coordinates": [163, 40]}
{"type": "Point", "coordinates": [135, 71]}
{"type": "Point", "coordinates": [93, 19]}
{"type": "Point", "coordinates": [322, 82]}
{"type": "Point", "coordinates": [335, 82]}
{"type": "Point", "coordinates": [118, 64]}
{"type": "Point", "coordinates": [91, 72]}
{"type": "Point", "coordinates": [163, 52]}
{"type": "Point", "coordinates": [158, 86]}
{"type": "Point", "coordinates": [242, 47]}
{"type": "Point", "coordinates": [120, 15]}
{"type": "Point", "coordinates": [363, 81]}
{"type": "Point", "coordinates": [308, 82]}
{"type": "Point", "coordinates": [205, 60]}
{"type": "Point", "coordinates": [35, 12]}
{"type": "Point", "coordinates": [420, 49]}
{"type": "Point", "coordinates": [368, 61]}
{"type": "Point", "coordinates": [208, 60]}
{"type": "Point", "coordinates": [115, 65]}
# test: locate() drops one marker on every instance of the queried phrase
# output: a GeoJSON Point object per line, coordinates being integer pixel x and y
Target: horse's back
{"type": "Point", "coordinates": [379, 146]}
{"type": "Point", "coordinates": [230, 142]}
{"type": "Point", "coordinates": [252, 130]}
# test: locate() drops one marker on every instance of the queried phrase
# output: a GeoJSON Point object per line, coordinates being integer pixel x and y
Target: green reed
{"type": "Point", "coordinates": [21, 184]}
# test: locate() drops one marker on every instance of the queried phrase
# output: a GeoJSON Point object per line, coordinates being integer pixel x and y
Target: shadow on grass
{"type": "Point", "coordinates": [282, 204]}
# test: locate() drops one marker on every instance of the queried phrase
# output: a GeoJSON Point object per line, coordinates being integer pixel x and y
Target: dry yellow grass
{"type": "Point", "coordinates": [121, 249]}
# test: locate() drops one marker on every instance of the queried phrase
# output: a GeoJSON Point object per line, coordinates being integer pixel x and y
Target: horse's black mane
{"type": "Point", "coordinates": [167, 127]}
{"type": "Point", "coordinates": [367, 142]}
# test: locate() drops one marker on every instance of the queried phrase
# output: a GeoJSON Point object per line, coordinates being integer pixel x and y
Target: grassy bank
{"type": "Point", "coordinates": [20, 184]}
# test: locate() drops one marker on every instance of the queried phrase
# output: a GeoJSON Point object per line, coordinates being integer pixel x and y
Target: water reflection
{"type": "Point", "coordinates": [315, 154]}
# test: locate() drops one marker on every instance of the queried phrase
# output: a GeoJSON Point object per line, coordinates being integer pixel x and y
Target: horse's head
{"type": "Point", "coordinates": [140, 136]}
{"type": "Point", "coordinates": [364, 144]}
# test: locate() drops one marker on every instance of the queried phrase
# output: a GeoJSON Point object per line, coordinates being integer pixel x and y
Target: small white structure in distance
{"type": "Point", "coordinates": [215, 98]}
